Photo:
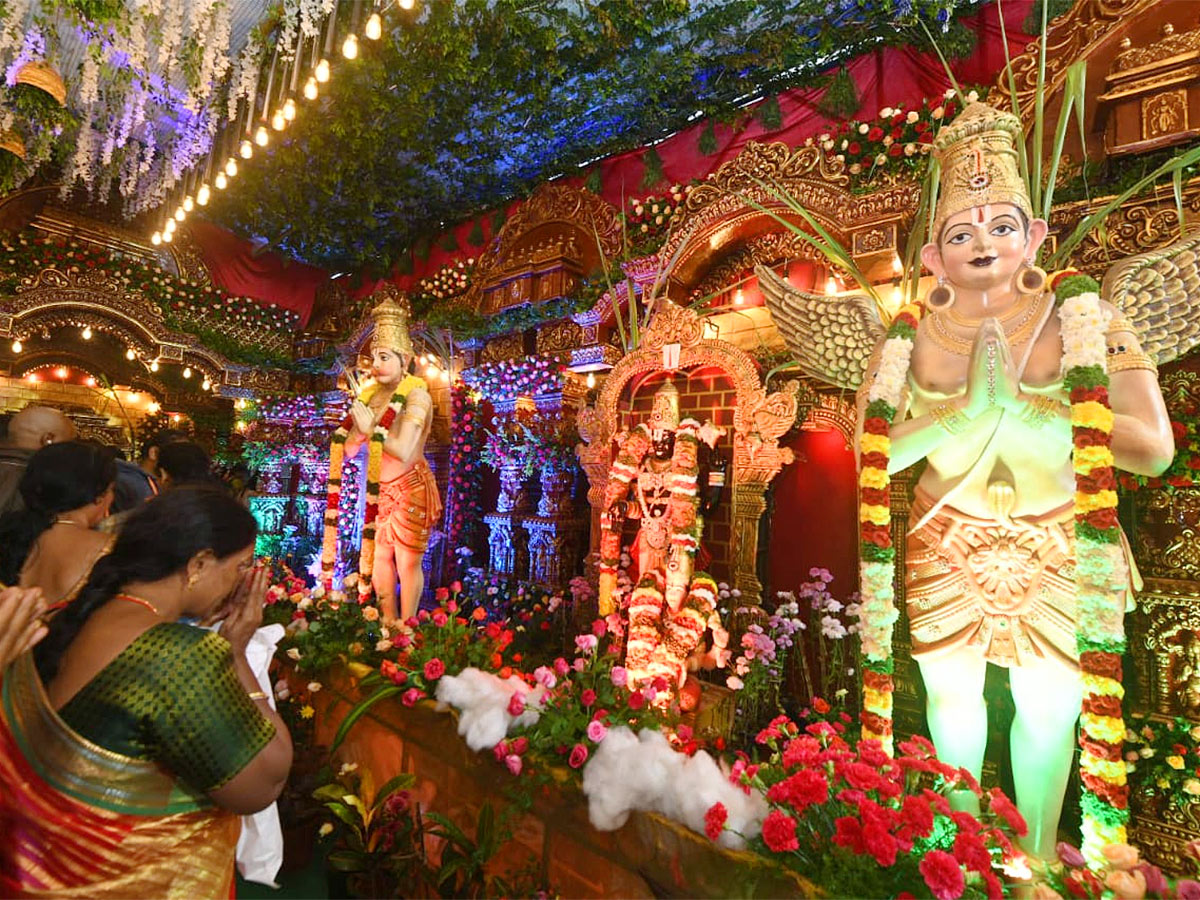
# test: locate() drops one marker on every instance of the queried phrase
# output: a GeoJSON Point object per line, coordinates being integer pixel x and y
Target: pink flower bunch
{"type": "Point", "coordinates": [506, 379]}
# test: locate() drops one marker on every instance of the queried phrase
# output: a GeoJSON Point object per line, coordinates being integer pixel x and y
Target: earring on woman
{"type": "Point", "coordinates": [1031, 279]}
{"type": "Point", "coordinates": [192, 579]}
{"type": "Point", "coordinates": [941, 298]}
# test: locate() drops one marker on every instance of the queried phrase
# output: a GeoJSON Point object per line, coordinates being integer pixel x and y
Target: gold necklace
{"type": "Point", "coordinates": [960, 346]}
{"type": "Point", "coordinates": [59, 520]}
{"type": "Point", "coordinates": [1007, 316]}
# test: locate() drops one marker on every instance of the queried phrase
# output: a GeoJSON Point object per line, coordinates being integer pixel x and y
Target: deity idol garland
{"type": "Point", "coordinates": [989, 578]}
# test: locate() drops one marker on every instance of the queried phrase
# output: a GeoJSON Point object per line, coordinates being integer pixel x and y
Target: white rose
{"type": "Point", "coordinates": [973, 96]}
{"type": "Point", "coordinates": [864, 128]}
{"type": "Point", "coordinates": [881, 160]}
{"type": "Point", "coordinates": [910, 149]}
{"type": "Point", "coordinates": [293, 653]}
{"type": "Point", "coordinates": [885, 113]}
{"type": "Point", "coordinates": [938, 113]}
{"type": "Point", "coordinates": [912, 117]}
{"type": "Point", "coordinates": [888, 140]}
{"type": "Point", "coordinates": [855, 169]}
{"type": "Point", "coordinates": [949, 95]}
{"type": "Point", "coordinates": [845, 144]}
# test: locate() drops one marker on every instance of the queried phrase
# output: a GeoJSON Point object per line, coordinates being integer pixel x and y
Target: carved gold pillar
{"type": "Point", "coordinates": [749, 503]}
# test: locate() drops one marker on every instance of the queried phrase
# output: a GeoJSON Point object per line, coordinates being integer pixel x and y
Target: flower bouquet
{"type": "Point", "coordinates": [1163, 759]}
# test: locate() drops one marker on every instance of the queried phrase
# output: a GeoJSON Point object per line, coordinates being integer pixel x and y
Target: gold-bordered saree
{"type": "Point", "coordinates": [77, 820]}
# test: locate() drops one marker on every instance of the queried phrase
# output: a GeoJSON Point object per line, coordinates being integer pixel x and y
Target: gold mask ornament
{"type": "Point", "coordinates": [664, 413]}
{"type": "Point", "coordinates": [391, 322]}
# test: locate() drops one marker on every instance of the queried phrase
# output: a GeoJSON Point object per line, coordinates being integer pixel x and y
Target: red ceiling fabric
{"type": "Point", "coordinates": [267, 277]}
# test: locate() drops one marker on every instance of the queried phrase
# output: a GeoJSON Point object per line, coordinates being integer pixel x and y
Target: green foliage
{"type": "Point", "coordinates": [769, 114]}
{"type": "Point", "coordinates": [652, 173]}
{"type": "Point", "coordinates": [1053, 9]}
{"type": "Point", "coordinates": [840, 98]}
{"type": "Point", "coordinates": [707, 144]}
{"type": "Point", "coordinates": [475, 235]}
{"type": "Point", "coordinates": [595, 180]}
{"type": "Point", "coordinates": [448, 242]}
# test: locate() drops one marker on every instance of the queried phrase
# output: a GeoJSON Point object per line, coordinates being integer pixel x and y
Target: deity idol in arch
{"type": "Point", "coordinates": [1021, 395]}
{"type": "Point", "coordinates": [393, 416]}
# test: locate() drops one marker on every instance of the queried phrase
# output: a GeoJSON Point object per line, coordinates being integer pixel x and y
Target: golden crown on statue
{"type": "Point", "coordinates": [664, 413]}
{"type": "Point", "coordinates": [391, 321]}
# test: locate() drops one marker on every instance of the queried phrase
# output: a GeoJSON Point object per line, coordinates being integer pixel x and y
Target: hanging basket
{"type": "Point", "coordinates": [43, 76]}
{"type": "Point", "coordinates": [12, 142]}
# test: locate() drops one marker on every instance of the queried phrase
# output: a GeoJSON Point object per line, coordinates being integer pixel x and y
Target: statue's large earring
{"type": "Point", "coordinates": [1031, 279]}
{"type": "Point", "coordinates": [941, 297]}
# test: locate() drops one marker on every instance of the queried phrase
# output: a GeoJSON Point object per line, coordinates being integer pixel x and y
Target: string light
{"type": "Point", "coordinates": [153, 406]}
{"type": "Point", "coordinates": [168, 229]}
{"type": "Point", "coordinates": [278, 120]}
{"type": "Point", "coordinates": [206, 385]}
{"type": "Point", "coordinates": [220, 182]}
{"type": "Point", "coordinates": [61, 373]}
{"type": "Point", "coordinates": [591, 380]}
{"type": "Point", "coordinates": [90, 381]}
{"type": "Point", "coordinates": [33, 377]}
{"type": "Point", "coordinates": [168, 236]}
{"type": "Point", "coordinates": [246, 149]}
{"type": "Point", "coordinates": [188, 203]}
{"type": "Point", "coordinates": [86, 334]}
{"type": "Point", "coordinates": [831, 287]}
{"type": "Point", "coordinates": [321, 73]}
{"type": "Point", "coordinates": [431, 370]}
{"type": "Point", "coordinates": [17, 347]}
{"type": "Point", "coordinates": [231, 167]}
{"type": "Point", "coordinates": [261, 137]}
{"type": "Point", "coordinates": [350, 46]}
{"type": "Point", "coordinates": [154, 366]}
{"type": "Point", "coordinates": [739, 297]}
{"type": "Point", "coordinates": [130, 355]}
{"type": "Point", "coordinates": [187, 372]}
{"type": "Point", "coordinates": [310, 88]}
{"type": "Point", "coordinates": [156, 238]}
{"type": "Point", "coordinates": [180, 215]}
{"type": "Point", "coordinates": [406, 4]}
{"type": "Point", "coordinates": [203, 194]}
{"type": "Point", "coordinates": [897, 266]}
{"type": "Point", "coordinates": [374, 28]}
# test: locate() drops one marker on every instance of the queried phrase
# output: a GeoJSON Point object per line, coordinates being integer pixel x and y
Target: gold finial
{"type": "Point", "coordinates": [979, 163]}
{"type": "Point", "coordinates": [664, 413]}
{"type": "Point", "coordinates": [391, 321]}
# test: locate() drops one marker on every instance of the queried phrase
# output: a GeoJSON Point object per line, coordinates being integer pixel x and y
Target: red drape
{"type": "Point", "coordinates": [266, 277]}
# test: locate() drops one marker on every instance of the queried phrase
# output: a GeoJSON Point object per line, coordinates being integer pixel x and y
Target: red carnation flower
{"type": "Point", "coordinates": [1004, 808]}
{"type": "Point", "coordinates": [943, 875]}
{"type": "Point", "coordinates": [917, 815]}
{"type": "Point", "coordinates": [779, 832]}
{"type": "Point", "coordinates": [854, 148]}
{"type": "Point", "coordinates": [970, 851]}
{"type": "Point", "coordinates": [849, 834]}
{"type": "Point", "coordinates": [714, 820]}
{"type": "Point", "coordinates": [926, 137]}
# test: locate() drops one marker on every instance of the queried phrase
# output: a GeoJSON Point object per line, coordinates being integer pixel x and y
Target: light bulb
{"type": "Point", "coordinates": [60, 373]}
{"type": "Point", "coordinates": [446, 375]}
{"type": "Point", "coordinates": [90, 381]}
{"type": "Point", "coordinates": [831, 287]}
{"type": "Point", "coordinates": [241, 426]}
{"type": "Point", "coordinates": [897, 296]}
{"type": "Point", "coordinates": [168, 237]}
{"type": "Point", "coordinates": [246, 149]}
{"type": "Point", "coordinates": [739, 297]}
{"type": "Point", "coordinates": [129, 354]}
{"type": "Point", "coordinates": [86, 334]}
{"type": "Point", "coordinates": [897, 266]}
{"type": "Point", "coordinates": [168, 229]}
{"type": "Point", "coordinates": [431, 370]}
{"type": "Point", "coordinates": [422, 359]}
{"type": "Point", "coordinates": [278, 120]}
{"type": "Point", "coordinates": [261, 137]}
{"type": "Point", "coordinates": [153, 406]}
{"type": "Point", "coordinates": [17, 347]}
{"type": "Point", "coordinates": [180, 214]}
{"type": "Point", "coordinates": [406, 4]}
{"type": "Point", "coordinates": [220, 182]}
{"type": "Point", "coordinates": [187, 372]}
{"type": "Point", "coordinates": [322, 71]}
{"type": "Point", "coordinates": [156, 238]}
{"type": "Point", "coordinates": [310, 88]}
{"type": "Point", "coordinates": [188, 203]}
{"type": "Point", "coordinates": [203, 194]}
{"type": "Point", "coordinates": [154, 366]}
{"type": "Point", "coordinates": [206, 385]}
{"type": "Point", "coordinates": [591, 379]}
{"type": "Point", "coordinates": [374, 28]}
{"type": "Point", "coordinates": [350, 46]}
{"type": "Point", "coordinates": [289, 109]}
{"type": "Point", "coordinates": [231, 167]}
{"type": "Point", "coordinates": [33, 377]}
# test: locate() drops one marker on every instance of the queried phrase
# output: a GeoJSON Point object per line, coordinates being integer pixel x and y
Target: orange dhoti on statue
{"type": "Point", "coordinates": [409, 506]}
{"type": "Point", "coordinates": [1004, 590]}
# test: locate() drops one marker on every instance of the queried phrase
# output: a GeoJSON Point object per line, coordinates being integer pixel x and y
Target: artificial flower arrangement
{"type": "Point", "coordinates": [864, 824]}
{"type": "Point", "coordinates": [1163, 759]}
{"type": "Point", "coordinates": [648, 220]}
{"type": "Point", "coordinates": [510, 443]}
{"type": "Point", "coordinates": [1121, 874]}
{"type": "Point", "coordinates": [184, 304]}
{"type": "Point", "coordinates": [1184, 470]}
{"type": "Point", "coordinates": [464, 509]}
{"type": "Point", "coordinates": [449, 281]}
{"type": "Point", "coordinates": [507, 379]}
{"type": "Point", "coordinates": [260, 455]}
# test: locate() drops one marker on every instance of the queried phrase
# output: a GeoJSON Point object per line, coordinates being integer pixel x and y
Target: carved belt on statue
{"type": "Point", "coordinates": [409, 506]}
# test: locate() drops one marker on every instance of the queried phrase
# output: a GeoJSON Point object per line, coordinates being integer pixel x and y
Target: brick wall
{"type": "Point", "coordinates": [705, 394]}
{"type": "Point", "coordinates": [72, 399]}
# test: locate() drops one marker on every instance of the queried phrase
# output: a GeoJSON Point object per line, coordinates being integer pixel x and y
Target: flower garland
{"type": "Point", "coordinates": [623, 470]}
{"type": "Point", "coordinates": [337, 455]}
{"type": "Point", "coordinates": [877, 555]}
{"type": "Point", "coordinates": [464, 512]}
{"type": "Point", "coordinates": [1101, 573]}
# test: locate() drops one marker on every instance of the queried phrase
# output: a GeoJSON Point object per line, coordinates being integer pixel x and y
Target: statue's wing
{"type": "Point", "coordinates": [1159, 292]}
{"type": "Point", "coordinates": [831, 337]}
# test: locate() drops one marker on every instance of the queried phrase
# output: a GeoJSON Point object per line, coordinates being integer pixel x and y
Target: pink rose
{"type": "Point", "coordinates": [596, 731]}
{"type": "Point", "coordinates": [514, 763]}
{"type": "Point", "coordinates": [579, 665]}
{"type": "Point", "coordinates": [599, 628]}
{"type": "Point", "coordinates": [588, 697]}
{"type": "Point", "coordinates": [516, 705]}
{"type": "Point", "coordinates": [440, 618]}
{"type": "Point", "coordinates": [578, 757]}
{"type": "Point", "coordinates": [434, 669]}
{"type": "Point", "coordinates": [586, 643]}
{"type": "Point", "coordinates": [545, 677]}
{"type": "Point", "coordinates": [620, 676]}
{"type": "Point", "coordinates": [1126, 885]}
{"type": "Point", "coordinates": [411, 696]}
{"type": "Point", "coordinates": [561, 666]}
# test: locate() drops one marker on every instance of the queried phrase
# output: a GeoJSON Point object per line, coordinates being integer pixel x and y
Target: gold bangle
{"type": "Point", "coordinates": [1040, 410]}
{"type": "Point", "coordinates": [1127, 360]}
{"type": "Point", "coordinates": [949, 417]}
{"type": "Point", "coordinates": [256, 695]}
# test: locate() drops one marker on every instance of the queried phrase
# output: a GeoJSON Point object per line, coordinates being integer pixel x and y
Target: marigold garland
{"type": "Point", "coordinates": [337, 455]}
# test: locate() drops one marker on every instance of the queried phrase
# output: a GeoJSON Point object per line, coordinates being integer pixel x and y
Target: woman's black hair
{"type": "Point", "coordinates": [156, 542]}
{"type": "Point", "coordinates": [186, 462]}
{"type": "Point", "coordinates": [57, 479]}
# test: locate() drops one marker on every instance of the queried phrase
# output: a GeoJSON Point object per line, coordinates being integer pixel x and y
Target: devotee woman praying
{"type": "Point", "coordinates": [67, 489]}
{"type": "Point", "coordinates": [125, 766]}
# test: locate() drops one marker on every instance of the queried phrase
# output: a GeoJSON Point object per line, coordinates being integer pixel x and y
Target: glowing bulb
{"type": "Point", "coordinates": [350, 46]}
{"type": "Point", "coordinates": [446, 375]}
{"type": "Point", "coordinates": [221, 182]}
{"type": "Point", "coordinates": [174, 417]}
{"type": "Point", "coordinates": [278, 120]}
{"type": "Point", "coordinates": [180, 214]}
{"type": "Point", "coordinates": [310, 88]}
{"type": "Point", "coordinates": [188, 203]}
{"type": "Point", "coordinates": [241, 426]}
{"type": "Point", "coordinates": [374, 29]}
{"type": "Point", "coordinates": [206, 385]}
{"type": "Point", "coordinates": [154, 366]}
{"type": "Point", "coordinates": [739, 297]}
{"type": "Point", "coordinates": [60, 372]}
{"type": "Point", "coordinates": [591, 380]}
{"type": "Point", "coordinates": [422, 359]}
{"type": "Point", "coordinates": [245, 148]}
{"type": "Point", "coordinates": [431, 370]}
{"type": "Point", "coordinates": [33, 377]}
{"type": "Point", "coordinates": [168, 236]}
{"type": "Point", "coordinates": [90, 381]}
{"type": "Point", "coordinates": [831, 287]}
{"type": "Point", "coordinates": [203, 194]}
{"type": "Point", "coordinates": [897, 296]}
{"type": "Point", "coordinates": [168, 229]}
{"type": "Point", "coordinates": [897, 266]}
{"type": "Point", "coordinates": [289, 109]}
{"type": "Point", "coordinates": [153, 406]}
{"type": "Point", "coordinates": [322, 71]}
{"type": "Point", "coordinates": [156, 238]}
{"type": "Point", "coordinates": [17, 347]}
{"type": "Point", "coordinates": [261, 137]}
{"type": "Point", "coordinates": [187, 372]}
{"type": "Point", "coordinates": [134, 396]}
{"type": "Point", "coordinates": [86, 334]}
{"type": "Point", "coordinates": [231, 167]}
{"type": "Point", "coordinates": [406, 4]}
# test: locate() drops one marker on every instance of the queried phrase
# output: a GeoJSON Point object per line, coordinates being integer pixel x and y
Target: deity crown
{"type": "Point", "coordinates": [664, 414]}
{"type": "Point", "coordinates": [979, 163]}
{"type": "Point", "coordinates": [391, 321]}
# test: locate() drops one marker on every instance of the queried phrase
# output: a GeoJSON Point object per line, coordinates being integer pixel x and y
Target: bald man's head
{"type": "Point", "coordinates": [36, 426]}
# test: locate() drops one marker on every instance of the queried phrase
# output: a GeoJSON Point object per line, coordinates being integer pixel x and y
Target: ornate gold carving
{"type": "Point", "coordinates": [875, 239]}
{"type": "Point", "coordinates": [1171, 44]}
{"type": "Point", "coordinates": [507, 346]}
{"type": "Point", "coordinates": [830, 411]}
{"type": "Point", "coordinates": [766, 250]}
{"type": "Point", "coordinates": [1164, 114]}
{"type": "Point", "coordinates": [559, 337]}
{"type": "Point", "coordinates": [760, 419]}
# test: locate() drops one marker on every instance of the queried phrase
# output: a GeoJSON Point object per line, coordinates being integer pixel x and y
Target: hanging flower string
{"type": "Point", "coordinates": [876, 553]}
{"type": "Point", "coordinates": [624, 469]}
{"type": "Point", "coordinates": [337, 451]}
{"type": "Point", "coordinates": [1101, 570]}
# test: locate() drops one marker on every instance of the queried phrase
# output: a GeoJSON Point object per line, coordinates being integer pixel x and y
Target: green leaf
{"type": "Point", "coordinates": [403, 781]}
{"type": "Point", "coordinates": [345, 861]}
{"type": "Point", "coordinates": [343, 812]}
{"type": "Point", "coordinates": [653, 171]}
{"type": "Point", "coordinates": [840, 99]}
{"type": "Point", "coordinates": [359, 711]}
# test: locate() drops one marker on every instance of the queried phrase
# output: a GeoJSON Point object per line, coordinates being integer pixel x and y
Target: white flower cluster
{"type": "Point", "coordinates": [1084, 322]}
{"type": "Point", "coordinates": [890, 378]}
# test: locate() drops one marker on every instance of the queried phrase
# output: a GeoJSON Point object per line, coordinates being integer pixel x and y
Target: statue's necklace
{"type": "Point", "coordinates": [1026, 317]}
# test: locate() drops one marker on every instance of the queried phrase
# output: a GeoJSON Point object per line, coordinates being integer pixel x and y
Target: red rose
{"type": "Point", "coordinates": [875, 134]}
{"type": "Point", "coordinates": [943, 875]}
{"type": "Point", "coordinates": [926, 137]}
{"type": "Point", "coordinates": [434, 669]}
{"type": "Point", "coordinates": [588, 697]}
{"type": "Point", "coordinates": [579, 755]}
{"type": "Point", "coordinates": [637, 700]}
{"type": "Point", "coordinates": [854, 148]}
{"type": "Point", "coordinates": [779, 832]}
{"type": "Point", "coordinates": [714, 820]}
{"type": "Point", "coordinates": [895, 150]}
{"type": "Point", "coordinates": [896, 132]}
{"type": "Point", "coordinates": [821, 706]}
